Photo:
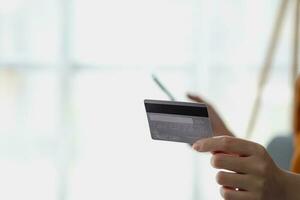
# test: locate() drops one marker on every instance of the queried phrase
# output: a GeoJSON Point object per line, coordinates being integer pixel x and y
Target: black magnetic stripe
{"type": "Point", "coordinates": [176, 109]}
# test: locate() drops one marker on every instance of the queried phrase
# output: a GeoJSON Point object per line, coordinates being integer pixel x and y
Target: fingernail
{"type": "Point", "coordinates": [194, 146]}
{"type": "Point", "coordinates": [197, 146]}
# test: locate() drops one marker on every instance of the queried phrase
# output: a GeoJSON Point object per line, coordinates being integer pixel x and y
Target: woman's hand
{"type": "Point", "coordinates": [218, 125]}
{"type": "Point", "coordinates": [253, 176]}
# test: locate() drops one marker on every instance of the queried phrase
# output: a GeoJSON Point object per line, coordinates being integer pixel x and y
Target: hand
{"type": "Point", "coordinates": [253, 176]}
{"type": "Point", "coordinates": [218, 125]}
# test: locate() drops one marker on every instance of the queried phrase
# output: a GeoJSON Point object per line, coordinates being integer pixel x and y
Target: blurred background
{"type": "Point", "coordinates": [74, 73]}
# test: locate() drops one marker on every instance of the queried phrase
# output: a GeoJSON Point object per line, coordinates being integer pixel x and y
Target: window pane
{"type": "Point", "coordinates": [30, 31]}
{"type": "Point", "coordinates": [29, 136]}
{"type": "Point", "coordinates": [134, 32]}
{"type": "Point", "coordinates": [116, 152]}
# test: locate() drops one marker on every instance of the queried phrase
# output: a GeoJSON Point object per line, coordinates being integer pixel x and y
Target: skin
{"type": "Point", "coordinates": [218, 125]}
{"type": "Point", "coordinates": [250, 174]}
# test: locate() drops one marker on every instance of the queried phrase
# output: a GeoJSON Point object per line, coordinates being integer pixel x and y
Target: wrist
{"type": "Point", "coordinates": [291, 185]}
{"type": "Point", "coordinates": [284, 183]}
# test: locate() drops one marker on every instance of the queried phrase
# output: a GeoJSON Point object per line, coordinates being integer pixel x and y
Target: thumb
{"type": "Point", "coordinates": [195, 98]}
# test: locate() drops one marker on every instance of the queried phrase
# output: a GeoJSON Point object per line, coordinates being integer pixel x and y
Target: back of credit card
{"type": "Point", "coordinates": [178, 121]}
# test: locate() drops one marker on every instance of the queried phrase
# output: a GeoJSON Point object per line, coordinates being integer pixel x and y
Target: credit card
{"type": "Point", "coordinates": [178, 121]}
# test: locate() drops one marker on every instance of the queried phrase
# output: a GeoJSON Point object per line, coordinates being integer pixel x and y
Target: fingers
{"type": "Point", "coordinates": [226, 144]}
{"type": "Point", "coordinates": [234, 180]}
{"type": "Point", "coordinates": [195, 98]}
{"type": "Point", "coordinates": [232, 163]}
{"type": "Point", "coordinates": [232, 194]}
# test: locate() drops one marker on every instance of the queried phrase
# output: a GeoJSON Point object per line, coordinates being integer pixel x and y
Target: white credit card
{"type": "Point", "coordinates": [178, 121]}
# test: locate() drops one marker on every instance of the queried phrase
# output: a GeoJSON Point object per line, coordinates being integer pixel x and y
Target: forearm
{"type": "Point", "coordinates": [291, 183]}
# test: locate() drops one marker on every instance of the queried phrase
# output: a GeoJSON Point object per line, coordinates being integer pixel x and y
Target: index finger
{"type": "Point", "coordinates": [226, 144]}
